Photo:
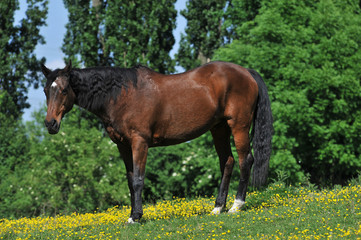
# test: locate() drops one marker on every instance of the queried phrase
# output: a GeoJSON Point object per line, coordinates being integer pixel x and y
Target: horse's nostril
{"type": "Point", "coordinates": [53, 123]}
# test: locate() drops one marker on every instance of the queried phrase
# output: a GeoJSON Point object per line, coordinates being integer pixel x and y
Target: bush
{"type": "Point", "coordinates": [76, 170]}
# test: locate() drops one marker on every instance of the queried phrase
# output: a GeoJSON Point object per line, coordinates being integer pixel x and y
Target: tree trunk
{"type": "Point", "coordinates": [203, 59]}
{"type": "Point", "coordinates": [96, 3]}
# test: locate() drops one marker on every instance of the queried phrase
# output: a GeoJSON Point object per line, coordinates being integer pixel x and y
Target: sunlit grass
{"type": "Point", "coordinates": [278, 212]}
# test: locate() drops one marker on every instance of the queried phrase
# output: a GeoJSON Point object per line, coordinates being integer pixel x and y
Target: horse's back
{"type": "Point", "coordinates": [232, 85]}
{"type": "Point", "coordinates": [191, 103]}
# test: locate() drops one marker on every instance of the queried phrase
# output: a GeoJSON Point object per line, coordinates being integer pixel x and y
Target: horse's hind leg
{"type": "Point", "coordinates": [241, 140]}
{"type": "Point", "coordinates": [221, 137]}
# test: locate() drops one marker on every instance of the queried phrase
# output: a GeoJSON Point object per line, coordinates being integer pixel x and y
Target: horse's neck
{"type": "Point", "coordinates": [84, 95]}
{"type": "Point", "coordinates": [75, 83]}
{"type": "Point", "coordinates": [96, 88]}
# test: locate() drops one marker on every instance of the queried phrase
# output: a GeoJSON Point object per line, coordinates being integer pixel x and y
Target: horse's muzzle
{"type": "Point", "coordinates": [52, 126]}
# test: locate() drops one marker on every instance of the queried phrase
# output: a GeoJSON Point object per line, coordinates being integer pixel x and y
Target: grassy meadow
{"type": "Point", "coordinates": [277, 212]}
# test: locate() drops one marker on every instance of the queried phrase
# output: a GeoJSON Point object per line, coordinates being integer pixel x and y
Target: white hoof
{"type": "Point", "coordinates": [237, 205]}
{"type": "Point", "coordinates": [217, 210]}
{"type": "Point", "coordinates": [130, 221]}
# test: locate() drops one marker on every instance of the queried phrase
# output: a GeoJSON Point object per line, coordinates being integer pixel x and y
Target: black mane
{"type": "Point", "coordinates": [97, 85]}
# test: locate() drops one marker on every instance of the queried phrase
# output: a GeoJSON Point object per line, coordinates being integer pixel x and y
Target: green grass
{"type": "Point", "coordinates": [277, 212]}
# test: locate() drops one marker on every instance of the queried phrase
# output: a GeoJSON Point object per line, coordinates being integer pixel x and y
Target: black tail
{"type": "Point", "coordinates": [262, 133]}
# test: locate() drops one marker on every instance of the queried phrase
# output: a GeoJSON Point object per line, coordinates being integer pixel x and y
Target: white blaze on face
{"type": "Point", "coordinates": [54, 85]}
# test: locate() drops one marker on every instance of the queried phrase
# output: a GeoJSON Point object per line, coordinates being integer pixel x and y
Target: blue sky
{"type": "Point", "coordinates": [53, 34]}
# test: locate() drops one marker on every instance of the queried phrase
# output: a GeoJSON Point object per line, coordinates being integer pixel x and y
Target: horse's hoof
{"type": "Point", "coordinates": [217, 210]}
{"type": "Point", "coordinates": [237, 205]}
{"type": "Point", "coordinates": [131, 221]}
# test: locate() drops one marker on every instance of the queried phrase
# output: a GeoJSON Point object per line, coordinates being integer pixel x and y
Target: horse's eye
{"type": "Point", "coordinates": [64, 92]}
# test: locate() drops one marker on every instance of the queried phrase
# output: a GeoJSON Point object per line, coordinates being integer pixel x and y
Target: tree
{"type": "Point", "coordinates": [13, 141]}
{"type": "Point", "coordinates": [121, 33]}
{"type": "Point", "coordinates": [210, 25]}
{"type": "Point", "coordinates": [19, 67]}
{"type": "Point", "coordinates": [14, 150]}
{"type": "Point", "coordinates": [237, 13]}
{"type": "Point", "coordinates": [308, 53]}
{"type": "Point", "coordinates": [203, 32]}
{"type": "Point", "coordinates": [18, 70]}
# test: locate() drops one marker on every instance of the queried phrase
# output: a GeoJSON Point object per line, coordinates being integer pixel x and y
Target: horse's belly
{"type": "Point", "coordinates": [173, 139]}
{"type": "Point", "coordinates": [189, 126]}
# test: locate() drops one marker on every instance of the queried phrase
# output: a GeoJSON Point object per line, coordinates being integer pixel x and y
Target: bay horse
{"type": "Point", "coordinates": [141, 108]}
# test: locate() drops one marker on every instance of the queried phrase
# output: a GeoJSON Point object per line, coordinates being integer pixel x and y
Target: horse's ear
{"type": "Point", "coordinates": [68, 67]}
{"type": "Point", "coordinates": [46, 71]}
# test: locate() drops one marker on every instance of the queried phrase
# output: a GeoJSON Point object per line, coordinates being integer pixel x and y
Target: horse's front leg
{"type": "Point", "coordinates": [139, 152]}
{"type": "Point", "coordinates": [126, 153]}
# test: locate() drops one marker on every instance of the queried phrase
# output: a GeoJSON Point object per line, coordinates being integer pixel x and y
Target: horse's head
{"type": "Point", "coordinates": [60, 97]}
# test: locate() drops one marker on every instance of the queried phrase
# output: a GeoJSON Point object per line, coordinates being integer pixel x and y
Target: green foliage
{"type": "Point", "coordinates": [84, 167]}
{"type": "Point", "coordinates": [188, 169]}
{"type": "Point", "coordinates": [238, 12]}
{"type": "Point", "coordinates": [14, 148]}
{"type": "Point", "coordinates": [75, 170]}
{"type": "Point", "coordinates": [203, 32]}
{"type": "Point", "coordinates": [211, 24]}
{"type": "Point", "coordinates": [19, 67]}
{"type": "Point", "coordinates": [121, 33]}
{"type": "Point", "coordinates": [308, 53]}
